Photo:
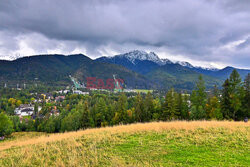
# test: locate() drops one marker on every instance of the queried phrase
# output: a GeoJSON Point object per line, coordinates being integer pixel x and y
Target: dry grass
{"type": "Point", "coordinates": [130, 145]}
{"type": "Point", "coordinates": [133, 128]}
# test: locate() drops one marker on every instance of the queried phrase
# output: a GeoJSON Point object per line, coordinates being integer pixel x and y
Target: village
{"type": "Point", "coordinates": [32, 109]}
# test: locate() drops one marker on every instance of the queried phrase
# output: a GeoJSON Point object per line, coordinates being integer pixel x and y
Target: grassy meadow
{"type": "Point", "coordinates": [179, 143]}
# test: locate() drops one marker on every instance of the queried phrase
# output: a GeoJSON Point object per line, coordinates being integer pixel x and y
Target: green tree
{"type": "Point", "coordinates": [213, 108]}
{"type": "Point", "coordinates": [6, 125]}
{"type": "Point", "coordinates": [85, 115]}
{"type": "Point", "coordinates": [71, 122]}
{"type": "Point", "coordinates": [236, 93]}
{"type": "Point", "coordinates": [100, 113]}
{"type": "Point", "coordinates": [139, 108]}
{"type": "Point", "coordinates": [225, 101]}
{"type": "Point", "coordinates": [157, 109]}
{"type": "Point", "coordinates": [216, 91]}
{"type": "Point", "coordinates": [16, 123]}
{"type": "Point", "coordinates": [246, 101]}
{"type": "Point", "coordinates": [183, 106]}
{"type": "Point", "coordinates": [36, 109]}
{"type": "Point", "coordinates": [50, 125]}
{"type": "Point", "coordinates": [198, 100]}
{"type": "Point", "coordinates": [30, 125]}
{"type": "Point", "coordinates": [197, 113]}
{"type": "Point", "coordinates": [170, 110]}
{"type": "Point", "coordinates": [148, 107]}
{"type": "Point", "coordinates": [122, 106]}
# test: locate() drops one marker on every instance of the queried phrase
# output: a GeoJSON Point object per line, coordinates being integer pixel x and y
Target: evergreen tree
{"type": "Point", "coordinates": [157, 109]}
{"type": "Point", "coordinates": [183, 106]}
{"type": "Point", "coordinates": [236, 94]}
{"type": "Point", "coordinates": [197, 113]}
{"type": "Point", "coordinates": [198, 100]}
{"type": "Point", "coordinates": [246, 101]}
{"type": "Point", "coordinates": [36, 109]}
{"type": "Point", "coordinates": [225, 102]}
{"type": "Point", "coordinates": [139, 108]}
{"type": "Point", "coordinates": [148, 107]}
{"type": "Point", "coordinates": [170, 110]}
{"type": "Point", "coordinates": [215, 91]}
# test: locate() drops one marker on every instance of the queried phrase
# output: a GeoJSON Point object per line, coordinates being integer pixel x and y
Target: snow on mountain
{"type": "Point", "coordinates": [208, 68]}
{"type": "Point", "coordinates": [185, 64]}
{"type": "Point", "coordinates": [142, 55]}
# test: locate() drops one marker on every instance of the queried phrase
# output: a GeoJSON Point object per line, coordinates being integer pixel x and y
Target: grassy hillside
{"type": "Point", "coordinates": [152, 144]}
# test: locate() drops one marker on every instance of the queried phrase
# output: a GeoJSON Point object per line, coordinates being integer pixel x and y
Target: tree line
{"type": "Point", "coordinates": [232, 102]}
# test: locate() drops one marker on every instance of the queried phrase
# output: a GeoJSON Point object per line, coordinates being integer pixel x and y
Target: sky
{"type": "Point", "coordinates": [209, 33]}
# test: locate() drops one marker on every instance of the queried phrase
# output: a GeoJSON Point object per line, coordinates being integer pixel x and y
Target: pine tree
{"type": "Point", "coordinates": [170, 110]}
{"type": "Point", "coordinates": [236, 94]}
{"type": "Point", "coordinates": [198, 100]}
{"type": "Point", "coordinates": [139, 108]}
{"type": "Point", "coordinates": [148, 107]}
{"type": "Point", "coordinates": [246, 106]}
{"type": "Point", "coordinates": [215, 91]}
{"type": "Point", "coordinates": [36, 109]}
{"type": "Point", "coordinates": [232, 97]}
{"type": "Point", "coordinates": [157, 109]}
{"type": "Point", "coordinates": [225, 102]}
{"type": "Point", "coordinates": [183, 107]}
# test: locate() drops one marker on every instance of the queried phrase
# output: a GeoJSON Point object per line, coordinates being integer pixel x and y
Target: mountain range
{"type": "Point", "coordinates": [138, 69]}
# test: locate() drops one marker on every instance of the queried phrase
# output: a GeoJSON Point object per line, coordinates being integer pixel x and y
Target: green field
{"type": "Point", "coordinates": [152, 144]}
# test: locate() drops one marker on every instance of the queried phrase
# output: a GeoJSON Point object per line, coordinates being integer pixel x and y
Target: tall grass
{"type": "Point", "coordinates": [114, 145]}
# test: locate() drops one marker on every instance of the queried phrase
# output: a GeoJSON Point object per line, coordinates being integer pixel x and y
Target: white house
{"type": "Point", "coordinates": [80, 92]}
{"type": "Point", "coordinates": [26, 110]}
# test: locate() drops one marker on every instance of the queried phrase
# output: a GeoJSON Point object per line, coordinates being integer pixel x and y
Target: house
{"type": "Point", "coordinates": [80, 92]}
{"type": "Point", "coordinates": [26, 110]}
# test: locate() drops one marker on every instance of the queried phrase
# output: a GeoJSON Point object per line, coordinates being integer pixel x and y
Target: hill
{"type": "Point", "coordinates": [199, 143]}
{"type": "Point", "coordinates": [183, 78]}
{"type": "Point", "coordinates": [222, 73]}
{"type": "Point", "coordinates": [55, 70]}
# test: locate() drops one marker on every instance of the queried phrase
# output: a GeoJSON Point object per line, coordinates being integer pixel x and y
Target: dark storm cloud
{"type": "Point", "coordinates": [203, 30]}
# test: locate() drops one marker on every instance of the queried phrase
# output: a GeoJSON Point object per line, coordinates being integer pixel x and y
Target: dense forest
{"type": "Point", "coordinates": [232, 102]}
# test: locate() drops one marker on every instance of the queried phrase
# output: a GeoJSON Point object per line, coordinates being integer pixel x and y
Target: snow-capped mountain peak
{"type": "Point", "coordinates": [185, 64]}
{"type": "Point", "coordinates": [142, 55]}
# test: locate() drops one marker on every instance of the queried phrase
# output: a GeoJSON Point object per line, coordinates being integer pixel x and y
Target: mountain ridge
{"type": "Point", "coordinates": [138, 69]}
{"type": "Point", "coordinates": [124, 59]}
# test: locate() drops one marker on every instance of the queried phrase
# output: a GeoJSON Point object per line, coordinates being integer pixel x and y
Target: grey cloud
{"type": "Point", "coordinates": [196, 29]}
